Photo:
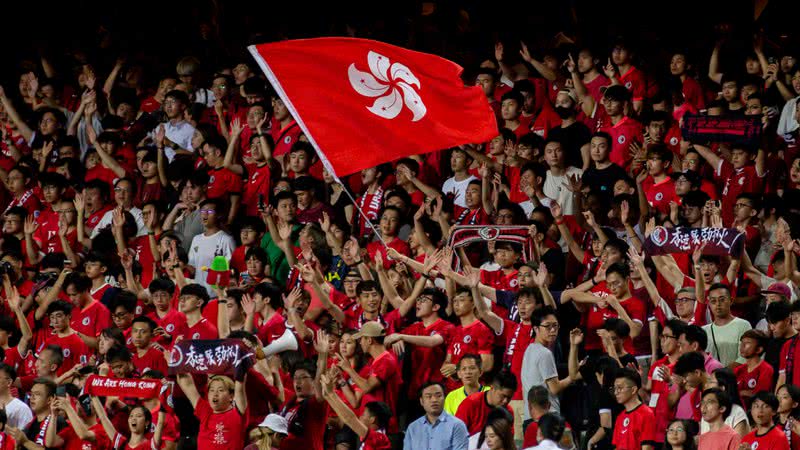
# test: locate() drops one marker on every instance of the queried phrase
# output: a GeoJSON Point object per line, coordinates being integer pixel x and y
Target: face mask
{"type": "Point", "coordinates": [564, 112]}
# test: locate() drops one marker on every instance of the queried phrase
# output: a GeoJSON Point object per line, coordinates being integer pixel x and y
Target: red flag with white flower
{"type": "Point", "coordinates": [362, 103]}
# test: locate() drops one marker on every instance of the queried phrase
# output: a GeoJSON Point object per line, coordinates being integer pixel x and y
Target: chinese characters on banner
{"type": "Point", "coordinates": [211, 357]}
{"type": "Point", "coordinates": [718, 241]}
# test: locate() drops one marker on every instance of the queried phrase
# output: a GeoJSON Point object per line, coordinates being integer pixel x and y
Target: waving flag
{"type": "Point", "coordinates": [362, 103]}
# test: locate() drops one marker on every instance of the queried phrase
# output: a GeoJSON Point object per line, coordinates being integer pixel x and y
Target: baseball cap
{"type": "Point", "coordinates": [778, 288]}
{"type": "Point", "coordinates": [371, 329]}
{"type": "Point", "coordinates": [276, 423]}
{"type": "Point", "coordinates": [617, 92]}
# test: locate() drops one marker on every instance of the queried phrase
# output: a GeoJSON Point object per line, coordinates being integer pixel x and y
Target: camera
{"type": "Point", "coordinates": [6, 268]}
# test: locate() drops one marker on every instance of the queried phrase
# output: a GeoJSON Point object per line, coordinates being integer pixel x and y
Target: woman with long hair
{"type": "Point", "coordinates": [140, 422]}
{"type": "Point", "coordinates": [724, 379]}
{"type": "Point", "coordinates": [789, 412]}
{"type": "Point", "coordinates": [680, 435]}
{"type": "Point", "coordinates": [498, 434]}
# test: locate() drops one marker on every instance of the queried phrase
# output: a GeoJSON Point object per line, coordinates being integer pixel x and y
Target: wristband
{"type": "Point", "coordinates": [559, 221]}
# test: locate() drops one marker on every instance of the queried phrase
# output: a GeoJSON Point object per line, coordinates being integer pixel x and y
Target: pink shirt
{"type": "Point", "coordinates": [712, 364]}
{"type": "Point", "coordinates": [725, 439]}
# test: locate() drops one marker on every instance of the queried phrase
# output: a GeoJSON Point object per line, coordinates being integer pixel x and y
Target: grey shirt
{"type": "Point", "coordinates": [538, 366]}
{"type": "Point", "coordinates": [189, 227]}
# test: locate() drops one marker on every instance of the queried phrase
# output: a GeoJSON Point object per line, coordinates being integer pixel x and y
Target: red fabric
{"type": "Point", "coordinates": [693, 93]}
{"type": "Point", "coordinates": [153, 359]}
{"type": "Point", "coordinates": [222, 183]}
{"type": "Point", "coordinates": [634, 81]}
{"type": "Point", "coordinates": [659, 195]}
{"type": "Point", "coordinates": [757, 380]}
{"type": "Point", "coordinates": [221, 431]}
{"type": "Point", "coordinates": [632, 429]}
{"type": "Point", "coordinates": [272, 329]}
{"type": "Point", "coordinates": [313, 425]}
{"type": "Point", "coordinates": [201, 330]}
{"type": "Point", "coordinates": [258, 182]}
{"type": "Point", "coordinates": [376, 440]}
{"type": "Point", "coordinates": [474, 338]}
{"type": "Point", "coordinates": [516, 338]}
{"type": "Point", "coordinates": [312, 73]}
{"type": "Point", "coordinates": [386, 369]}
{"type": "Point", "coordinates": [74, 350]}
{"type": "Point", "coordinates": [735, 182]}
{"type": "Point", "coordinates": [774, 439]}
{"type": "Point", "coordinates": [73, 442]}
{"type": "Point", "coordinates": [426, 361]}
{"type": "Point", "coordinates": [474, 410]}
{"type": "Point", "coordinates": [143, 254]}
{"type": "Point", "coordinates": [500, 280]}
{"type": "Point", "coordinates": [622, 134]}
{"type": "Point", "coordinates": [662, 410]}
{"type": "Point", "coordinates": [91, 320]}
{"type": "Point", "coordinates": [402, 247]}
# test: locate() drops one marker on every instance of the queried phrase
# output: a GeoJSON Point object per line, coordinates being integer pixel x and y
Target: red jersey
{"type": "Point", "coordinates": [756, 380]}
{"type": "Point", "coordinates": [774, 439]}
{"type": "Point", "coordinates": [354, 319]}
{"type": "Point", "coordinates": [396, 243]}
{"type": "Point", "coordinates": [693, 93]}
{"type": "Point", "coordinates": [94, 218]}
{"type": "Point", "coordinates": [375, 440]}
{"type": "Point", "coordinates": [73, 348]}
{"type": "Point", "coordinates": [546, 120]}
{"type": "Point", "coordinates": [625, 132]}
{"type": "Point", "coordinates": [634, 428]}
{"type": "Point", "coordinates": [47, 233]}
{"type": "Point", "coordinates": [595, 87]}
{"type": "Point", "coordinates": [426, 361]}
{"type": "Point", "coordinates": [153, 359]}
{"type": "Point", "coordinates": [790, 358]}
{"type": "Point", "coordinates": [634, 81]}
{"type": "Point", "coordinates": [313, 419]}
{"type": "Point", "coordinates": [91, 320]}
{"type": "Point", "coordinates": [659, 398]}
{"type": "Point", "coordinates": [223, 182]}
{"type": "Point", "coordinates": [735, 182]}
{"type": "Point", "coordinates": [173, 321]}
{"type": "Point", "coordinates": [659, 195]}
{"type": "Point", "coordinates": [101, 172]}
{"type": "Point", "coordinates": [259, 181]}
{"type": "Point", "coordinates": [73, 442]}
{"type": "Point", "coordinates": [476, 216]}
{"type": "Point", "coordinates": [272, 329]}
{"type": "Point", "coordinates": [516, 337]}
{"type": "Point", "coordinates": [219, 430]}
{"type": "Point", "coordinates": [386, 369]}
{"type": "Point", "coordinates": [474, 410]}
{"type": "Point", "coordinates": [203, 329]}
{"type": "Point", "coordinates": [147, 192]}
{"type": "Point", "coordinates": [144, 254]}
{"type": "Point", "coordinates": [474, 338]}
{"type": "Point", "coordinates": [500, 280]}
{"type": "Point", "coordinates": [98, 293]}
{"type": "Point", "coordinates": [284, 137]}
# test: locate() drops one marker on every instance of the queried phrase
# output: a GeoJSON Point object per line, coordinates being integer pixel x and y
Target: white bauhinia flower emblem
{"type": "Point", "coordinates": [393, 84]}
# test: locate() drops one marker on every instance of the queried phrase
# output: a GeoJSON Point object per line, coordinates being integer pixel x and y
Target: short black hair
{"type": "Point", "coordinates": [60, 306]}
{"type": "Point", "coordinates": [504, 379]}
{"type": "Point", "coordinates": [621, 269]}
{"type": "Point", "coordinates": [197, 291]}
{"type": "Point", "coordinates": [144, 319]}
{"type": "Point", "coordinates": [778, 311]}
{"type": "Point", "coordinates": [552, 426]}
{"type": "Point", "coordinates": [179, 96]}
{"type": "Point", "coordinates": [767, 397]}
{"type": "Point", "coordinates": [539, 314]}
{"type": "Point", "coordinates": [381, 412]}
{"type": "Point", "coordinates": [539, 396]}
{"type": "Point", "coordinates": [270, 292]}
{"type": "Point", "coordinates": [618, 326]}
{"type": "Point", "coordinates": [630, 375]}
{"type": "Point", "coordinates": [161, 285]}
{"type": "Point", "coordinates": [368, 285]}
{"type": "Point", "coordinates": [49, 384]}
{"type": "Point", "coordinates": [694, 333]}
{"type": "Point", "coordinates": [9, 370]}
{"type": "Point", "coordinates": [723, 286]}
{"type": "Point", "coordinates": [689, 362]}
{"type": "Point", "coordinates": [723, 399]}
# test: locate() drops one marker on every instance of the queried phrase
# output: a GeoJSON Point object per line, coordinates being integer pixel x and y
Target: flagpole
{"type": "Point", "coordinates": [324, 159]}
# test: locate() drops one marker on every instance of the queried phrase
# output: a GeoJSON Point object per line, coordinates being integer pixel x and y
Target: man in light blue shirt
{"type": "Point", "coordinates": [436, 430]}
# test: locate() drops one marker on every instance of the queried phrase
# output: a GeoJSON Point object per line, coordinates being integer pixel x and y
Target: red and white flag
{"type": "Point", "coordinates": [362, 103]}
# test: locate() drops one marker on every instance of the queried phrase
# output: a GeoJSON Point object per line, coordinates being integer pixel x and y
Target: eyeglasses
{"type": "Point", "coordinates": [207, 211]}
{"type": "Point", "coordinates": [621, 388]}
{"type": "Point", "coordinates": [684, 299]}
{"type": "Point", "coordinates": [550, 326]}
{"type": "Point", "coordinates": [220, 86]}
{"type": "Point", "coordinates": [121, 189]}
{"type": "Point", "coordinates": [676, 430]}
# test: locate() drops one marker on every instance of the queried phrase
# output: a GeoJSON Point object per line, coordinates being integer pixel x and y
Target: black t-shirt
{"type": "Point", "coordinates": [602, 180]}
{"type": "Point", "coordinates": [572, 139]}
{"type": "Point", "coordinates": [772, 355]}
{"type": "Point", "coordinates": [33, 428]}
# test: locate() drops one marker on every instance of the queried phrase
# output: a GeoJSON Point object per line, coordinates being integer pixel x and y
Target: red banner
{"type": "Point", "coordinates": [362, 103]}
{"type": "Point", "coordinates": [122, 387]}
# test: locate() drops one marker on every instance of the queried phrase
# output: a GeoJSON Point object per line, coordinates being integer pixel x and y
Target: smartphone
{"type": "Point", "coordinates": [61, 391]}
{"type": "Point", "coordinates": [261, 206]}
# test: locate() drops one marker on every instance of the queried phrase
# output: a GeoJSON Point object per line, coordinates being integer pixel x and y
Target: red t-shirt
{"type": "Point", "coordinates": [794, 377]}
{"type": "Point", "coordinates": [153, 359]}
{"type": "Point", "coordinates": [516, 337]}
{"type": "Point", "coordinates": [144, 254]}
{"type": "Point", "coordinates": [474, 338]}
{"type": "Point", "coordinates": [73, 348]}
{"type": "Point", "coordinates": [375, 440]}
{"type": "Point", "coordinates": [101, 172]}
{"type": "Point", "coordinates": [386, 369]}
{"type": "Point", "coordinates": [73, 442]}
{"type": "Point", "coordinates": [222, 430]}
{"type": "Point", "coordinates": [693, 93]}
{"type": "Point", "coordinates": [98, 293]}
{"type": "Point", "coordinates": [94, 219]}
{"type": "Point", "coordinates": [223, 182]}
{"type": "Point", "coordinates": [660, 404]}
{"type": "Point", "coordinates": [272, 329]}
{"type": "Point", "coordinates": [203, 329]}
{"type": "Point", "coordinates": [498, 279]}
{"type": "Point", "coordinates": [91, 320]}
{"type": "Point", "coordinates": [659, 195]}
{"type": "Point", "coordinates": [258, 182]}
{"type": "Point", "coordinates": [396, 243]}
{"type": "Point", "coordinates": [313, 420]}
{"type": "Point", "coordinates": [474, 410]}
{"type": "Point", "coordinates": [172, 322]}
{"type": "Point", "coordinates": [634, 428]}
{"type": "Point", "coordinates": [284, 137]}
{"type": "Point", "coordinates": [735, 182]}
{"type": "Point", "coordinates": [757, 380]}
{"type": "Point", "coordinates": [634, 81]}
{"type": "Point", "coordinates": [774, 439]}
{"type": "Point", "coordinates": [625, 132]}
{"type": "Point", "coordinates": [545, 121]}
{"type": "Point", "coordinates": [354, 319]}
{"type": "Point", "coordinates": [427, 361]}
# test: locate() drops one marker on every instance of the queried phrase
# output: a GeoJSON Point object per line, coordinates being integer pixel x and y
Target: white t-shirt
{"type": "Point", "coordinates": [555, 187]}
{"type": "Point", "coordinates": [108, 219]}
{"type": "Point", "coordinates": [19, 414]}
{"type": "Point", "coordinates": [458, 189]}
{"type": "Point", "coordinates": [723, 341]}
{"type": "Point", "coordinates": [180, 133]}
{"type": "Point", "coordinates": [204, 249]}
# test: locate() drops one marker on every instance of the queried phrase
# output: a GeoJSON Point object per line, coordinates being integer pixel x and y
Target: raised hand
{"type": "Point", "coordinates": [610, 70]}
{"type": "Point", "coordinates": [570, 63]}
{"type": "Point", "coordinates": [574, 183]}
{"type": "Point", "coordinates": [353, 249]}
{"type": "Point", "coordinates": [260, 124]}
{"type": "Point", "coordinates": [576, 337]}
{"type": "Point", "coordinates": [540, 276]}
{"type": "Point", "coordinates": [484, 171]}
{"type": "Point", "coordinates": [236, 127]}
{"type": "Point", "coordinates": [636, 258]}
{"type": "Point", "coordinates": [697, 253]}
{"type": "Point", "coordinates": [498, 51]}
{"type": "Point", "coordinates": [473, 276]}
{"type": "Point", "coordinates": [624, 211]}
{"type": "Point", "coordinates": [126, 258]}
{"type": "Point", "coordinates": [161, 133]}
{"type": "Point", "coordinates": [589, 217]}
{"type": "Point", "coordinates": [524, 53]}
{"type": "Point", "coordinates": [117, 218]}
{"type": "Point", "coordinates": [431, 261]}
{"type": "Point", "coordinates": [30, 226]}
{"type": "Point", "coordinates": [248, 305]}
{"type": "Point", "coordinates": [321, 342]}
{"type": "Point", "coordinates": [13, 299]}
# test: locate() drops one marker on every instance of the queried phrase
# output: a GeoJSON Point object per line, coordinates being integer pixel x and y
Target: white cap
{"type": "Point", "coordinates": [276, 423]}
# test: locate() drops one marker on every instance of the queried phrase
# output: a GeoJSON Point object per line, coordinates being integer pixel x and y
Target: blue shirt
{"type": "Point", "coordinates": [447, 433]}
